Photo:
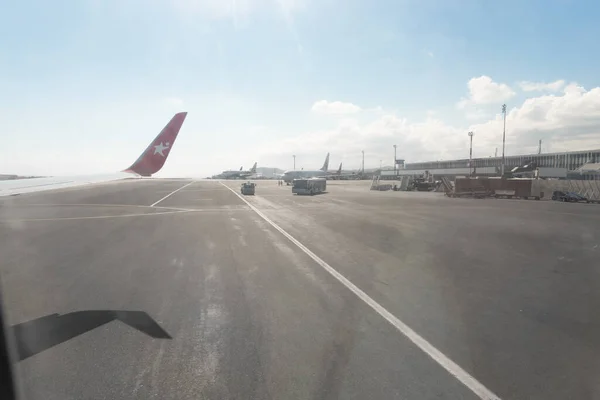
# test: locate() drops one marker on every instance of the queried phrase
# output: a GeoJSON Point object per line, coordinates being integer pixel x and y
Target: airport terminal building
{"type": "Point", "coordinates": [583, 164]}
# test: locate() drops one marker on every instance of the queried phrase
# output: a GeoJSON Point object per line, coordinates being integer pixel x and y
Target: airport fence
{"type": "Point", "coordinates": [588, 189]}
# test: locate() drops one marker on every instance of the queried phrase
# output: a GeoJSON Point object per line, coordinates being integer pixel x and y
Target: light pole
{"type": "Point", "coordinates": [470, 152]}
{"type": "Point", "coordinates": [503, 136]}
{"type": "Point", "coordinates": [394, 160]}
{"type": "Point", "coordinates": [363, 162]}
{"type": "Point", "coordinates": [294, 161]}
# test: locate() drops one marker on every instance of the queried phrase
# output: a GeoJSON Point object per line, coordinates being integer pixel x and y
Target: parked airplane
{"type": "Point", "coordinates": [340, 174]}
{"type": "Point", "coordinates": [229, 174]}
{"type": "Point", "coordinates": [334, 175]}
{"type": "Point", "coordinates": [289, 176]}
{"type": "Point", "coordinates": [241, 174]}
{"type": "Point", "coordinates": [148, 163]}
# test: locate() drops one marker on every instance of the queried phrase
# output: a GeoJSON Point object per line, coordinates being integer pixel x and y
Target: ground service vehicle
{"type": "Point", "coordinates": [309, 186]}
{"type": "Point", "coordinates": [572, 197]}
{"type": "Point", "coordinates": [248, 188]}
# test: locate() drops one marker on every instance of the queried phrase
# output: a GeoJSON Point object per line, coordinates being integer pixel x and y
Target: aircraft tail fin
{"type": "Point", "coordinates": [155, 155]}
{"type": "Point", "coordinates": [339, 171]}
{"type": "Point", "coordinates": [325, 166]}
{"type": "Point", "coordinates": [253, 169]}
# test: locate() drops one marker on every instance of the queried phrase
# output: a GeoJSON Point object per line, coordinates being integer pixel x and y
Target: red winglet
{"type": "Point", "coordinates": [155, 155]}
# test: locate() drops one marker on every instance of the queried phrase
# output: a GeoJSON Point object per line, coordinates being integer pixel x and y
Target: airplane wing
{"type": "Point", "coordinates": [148, 163]}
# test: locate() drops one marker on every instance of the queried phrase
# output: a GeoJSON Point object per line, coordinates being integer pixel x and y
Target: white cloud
{"type": "Point", "coordinates": [570, 121]}
{"type": "Point", "coordinates": [567, 122]}
{"type": "Point", "coordinates": [334, 107]}
{"type": "Point", "coordinates": [541, 86]}
{"type": "Point", "coordinates": [415, 141]}
{"type": "Point", "coordinates": [483, 90]}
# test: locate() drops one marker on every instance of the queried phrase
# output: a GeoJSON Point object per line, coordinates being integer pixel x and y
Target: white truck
{"type": "Point", "coordinates": [309, 186]}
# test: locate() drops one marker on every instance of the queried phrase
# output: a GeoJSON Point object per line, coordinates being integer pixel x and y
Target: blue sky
{"type": "Point", "coordinates": [87, 84]}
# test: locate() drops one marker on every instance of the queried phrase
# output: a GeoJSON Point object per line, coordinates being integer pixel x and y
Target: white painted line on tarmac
{"type": "Point", "coordinates": [172, 193]}
{"type": "Point", "coordinates": [453, 368]}
{"type": "Point", "coordinates": [8, 221]}
{"type": "Point", "coordinates": [98, 205]}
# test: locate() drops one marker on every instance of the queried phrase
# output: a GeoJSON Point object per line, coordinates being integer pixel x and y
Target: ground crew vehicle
{"type": "Point", "coordinates": [248, 188]}
{"type": "Point", "coordinates": [309, 186]}
{"type": "Point", "coordinates": [571, 197]}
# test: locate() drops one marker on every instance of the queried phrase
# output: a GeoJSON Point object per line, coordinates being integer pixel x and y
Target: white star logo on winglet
{"type": "Point", "coordinates": [158, 149]}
